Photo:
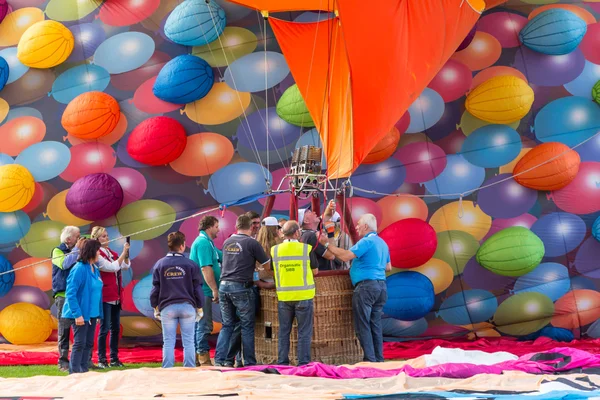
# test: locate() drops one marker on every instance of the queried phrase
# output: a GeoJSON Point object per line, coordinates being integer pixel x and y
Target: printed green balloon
{"type": "Point", "coordinates": [596, 92]}
{"type": "Point", "coordinates": [292, 109]}
{"type": "Point", "coordinates": [456, 248]}
{"type": "Point", "coordinates": [42, 237]}
{"type": "Point", "coordinates": [145, 214]}
{"type": "Point", "coordinates": [513, 251]}
{"type": "Point", "coordinates": [524, 313]}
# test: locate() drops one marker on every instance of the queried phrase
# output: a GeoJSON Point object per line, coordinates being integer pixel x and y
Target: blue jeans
{"type": "Point", "coordinates": [170, 316]}
{"type": "Point", "coordinates": [205, 326]}
{"type": "Point", "coordinates": [110, 323]}
{"type": "Point", "coordinates": [303, 312]}
{"type": "Point", "coordinates": [236, 297]}
{"type": "Point", "coordinates": [367, 307]}
{"type": "Point", "coordinates": [83, 342]}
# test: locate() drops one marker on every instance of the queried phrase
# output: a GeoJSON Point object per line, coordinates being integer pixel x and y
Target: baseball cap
{"type": "Point", "coordinates": [301, 212]}
{"type": "Point", "coordinates": [270, 221]}
{"type": "Point", "coordinates": [336, 217]}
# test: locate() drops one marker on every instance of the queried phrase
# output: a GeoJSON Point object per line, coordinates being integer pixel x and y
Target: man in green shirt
{"type": "Point", "coordinates": [208, 257]}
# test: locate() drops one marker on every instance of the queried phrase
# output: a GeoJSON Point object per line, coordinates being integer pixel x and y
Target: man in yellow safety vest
{"type": "Point", "coordinates": [294, 265]}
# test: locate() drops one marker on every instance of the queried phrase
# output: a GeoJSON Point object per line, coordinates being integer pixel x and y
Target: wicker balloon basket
{"type": "Point", "coordinates": [334, 341]}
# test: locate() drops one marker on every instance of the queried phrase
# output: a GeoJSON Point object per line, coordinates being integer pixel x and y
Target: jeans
{"type": "Point", "coordinates": [64, 330]}
{"type": "Point", "coordinates": [236, 297]}
{"type": "Point", "coordinates": [367, 307]}
{"type": "Point", "coordinates": [303, 312]}
{"type": "Point", "coordinates": [204, 327]}
{"type": "Point", "coordinates": [112, 323]}
{"type": "Point", "coordinates": [83, 342]}
{"type": "Point", "coordinates": [170, 316]}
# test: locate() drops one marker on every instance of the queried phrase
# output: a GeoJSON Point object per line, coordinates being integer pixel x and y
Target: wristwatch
{"type": "Point", "coordinates": [326, 245]}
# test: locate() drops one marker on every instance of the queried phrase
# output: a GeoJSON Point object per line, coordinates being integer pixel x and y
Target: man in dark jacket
{"type": "Point", "coordinates": [177, 295]}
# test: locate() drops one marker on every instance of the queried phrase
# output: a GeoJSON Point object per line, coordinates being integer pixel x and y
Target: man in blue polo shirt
{"type": "Point", "coordinates": [370, 260]}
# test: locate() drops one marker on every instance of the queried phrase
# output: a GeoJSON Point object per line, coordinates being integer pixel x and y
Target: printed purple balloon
{"type": "Point", "coordinates": [25, 294]}
{"type": "Point", "coordinates": [87, 39]}
{"type": "Point", "coordinates": [3, 9]}
{"type": "Point", "coordinates": [504, 26]}
{"type": "Point", "coordinates": [153, 250]}
{"type": "Point", "coordinates": [544, 70]}
{"type": "Point", "coordinates": [447, 123]}
{"type": "Point", "coordinates": [467, 41]}
{"type": "Point", "coordinates": [423, 161]}
{"type": "Point", "coordinates": [95, 197]}
{"type": "Point", "coordinates": [384, 177]}
{"type": "Point", "coordinates": [478, 277]}
{"type": "Point", "coordinates": [281, 133]}
{"type": "Point", "coordinates": [507, 199]}
{"type": "Point", "coordinates": [525, 220]}
{"type": "Point", "coordinates": [545, 94]}
{"type": "Point", "coordinates": [586, 260]}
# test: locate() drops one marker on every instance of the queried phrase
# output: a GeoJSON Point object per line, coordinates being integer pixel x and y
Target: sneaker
{"type": "Point", "coordinates": [63, 368]}
{"type": "Point", "coordinates": [203, 360]}
{"type": "Point", "coordinates": [91, 367]}
{"type": "Point", "coordinates": [116, 364]}
{"type": "Point", "coordinates": [103, 365]}
{"type": "Point", "coordinates": [223, 365]}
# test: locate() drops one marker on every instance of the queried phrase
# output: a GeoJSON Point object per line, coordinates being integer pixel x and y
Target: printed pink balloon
{"type": "Point", "coordinates": [524, 220]}
{"type": "Point", "coordinates": [189, 227]}
{"type": "Point", "coordinates": [130, 81]}
{"type": "Point", "coordinates": [504, 26]}
{"type": "Point", "coordinates": [145, 100]}
{"type": "Point", "coordinates": [282, 201]}
{"type": "Point", "coordinates": [590, 43]}
{"type": "Point", "coordinates": [127, 12]}
{"type": "Point", "coordinates": [423, 161]}
{"type": "Point", "coordinates": [453, 81]}
{"type": "Point", "coordinates": [89, 158]}
{"type": "Point", "coordinates": [95, 197]}
{"type": "Point", "coordinates": [403, 123]}
{"type": "Point", "coordinates": [582, 195]}
{"type": "Point", "coordinates": [452, 143]}
{"type": "Point", "coordinates": [133, 184]}
{"type": "Point", "coordinates": [360, 206]}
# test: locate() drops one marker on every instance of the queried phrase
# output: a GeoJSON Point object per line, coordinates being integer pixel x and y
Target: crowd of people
{"type": "Point", "coordinates": [280, 254]}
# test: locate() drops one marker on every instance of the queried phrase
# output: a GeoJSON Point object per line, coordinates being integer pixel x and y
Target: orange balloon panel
{"type": "Point", "coordinates": [204, 154]}
{"type": "Point", "coordinates": [385, 148]}
{"type": "Point", "coordinates": [483, 52]}
{"type": "Point", "coordinates": [439, 272]}
{"type": "Point", "coordinates": [468, 218]}
{"type": "Point", "coordinates": [576, 308]}
{"type": "Point", "coordinates": [40, 275]}
{"type": "Point", "coordinates": [396, 208]}
{"type": "Point", "coordinates": [109, 139]}
{"type": "Point", "coordinates": [20, 133]}
{"type": "Point", "coordinates": [580, 12]}
{"type": "Point", "coordinates": [495, 71]}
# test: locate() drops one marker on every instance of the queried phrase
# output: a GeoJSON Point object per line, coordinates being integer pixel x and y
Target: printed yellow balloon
{"type": "Point", "coordinates": [509, 168]}
{"type": "Point", "coordinates": [42, 237]}
{"type": "Point", "coordinates": [16, 187]}
{"type": "Point", "coordinates": [234, 42]}
{"type": "Point", "coordinates": [16, 23]}
{"type": "Point", "coordinates": [439, 273]}
{"type": "Point", "coordinates": [469, 123]}
{"type": "Point", "coordinates": [25, 323]}
{"type": "Point", "coordinates": [145, 215]}
{"type": "Point", "coordinates": [57, 211]}
{"type": "Point", "coordinates": [4, 109]}
{"type": "Point", "coordinates": [500, 100]}
{"type": "Point", "coordinates": [468, 218]}
{"type": "Point", "coordinates": [140, 327]}
{"type": "Point", "coordinates": [222, 104]}
{"type": "Point", "coordinates": [45, 44]}
{"type": "Point", "coordinates": [71, 10]}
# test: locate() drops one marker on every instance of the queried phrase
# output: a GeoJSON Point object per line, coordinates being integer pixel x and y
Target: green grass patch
{"type": "Point", "coordinates": [25, 371]}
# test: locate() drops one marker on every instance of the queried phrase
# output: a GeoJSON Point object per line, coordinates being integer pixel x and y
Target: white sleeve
{"type": "Point", "coordinates": [125, 265]}
{"type": "Point", "coordinates": [106, 266]}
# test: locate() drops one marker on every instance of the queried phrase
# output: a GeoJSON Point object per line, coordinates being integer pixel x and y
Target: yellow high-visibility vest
{"type": "Point", "coordinates": [293, 277]}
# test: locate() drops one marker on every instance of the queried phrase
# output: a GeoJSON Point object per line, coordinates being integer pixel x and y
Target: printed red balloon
{"type": "Point", "coordinates": [145, 100]}
{"type": "Point", "coordinates": [89, 158]}
{"type": "Point", "coordinates": [126, 12]}
{"type": "Point", "coordinates": [157, 141]}
{"type": "Point", "coordinates": [412, 242]}
{"type": "Point", "coordinates": [130, 81]}
{"type": "Point", "coordinates": [453, 81]}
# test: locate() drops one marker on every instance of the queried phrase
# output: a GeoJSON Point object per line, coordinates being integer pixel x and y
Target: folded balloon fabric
{"type": "Point", "coordinates": [557, 360]}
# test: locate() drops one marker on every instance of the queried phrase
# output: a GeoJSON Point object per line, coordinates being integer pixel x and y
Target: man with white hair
{"type": "Point", "coordinates": [69, 237]}
{"type": "Point", "coordinates": [309, 222]}
{"type": "Point", "coordinates": [370, 260]}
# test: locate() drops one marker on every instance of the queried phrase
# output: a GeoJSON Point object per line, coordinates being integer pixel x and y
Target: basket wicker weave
{"type": "Point", "coordinates": [333, 342]}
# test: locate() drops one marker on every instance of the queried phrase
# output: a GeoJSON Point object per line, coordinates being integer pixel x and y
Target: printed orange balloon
{"type": "Point", "coordinates": [91, 115]}
{"type": "Point", "coordinates": [40, 275]}
{"type": "Point", "coordinates": [20, 133]}
{"type": "Point", "coordinates": [109, 139]}
{"type": "Point", "coordinates": [385, 148]}
{"type": "Point", "coordinates": [439, 272]}
{"type": "Point", "coordinates": [576, 308]}
{"type": "Point", "coordinates": [579, 11]}
{"type": "Point", "coordinates": [396, 208]}
{"type": "Point", "coordinates": [491, 72]}
{"type": "Point", "coordinates": [548, 166]}
{"type": "Point", "coordinates": [483, 52]}
{"type": "Point", "coordinates": [204, 154]}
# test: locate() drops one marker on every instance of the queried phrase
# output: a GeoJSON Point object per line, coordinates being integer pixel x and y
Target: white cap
{"type": "Point", "coordinates": [270, 221]}
{"type": "Point", "coordinates": [301, 212]}
{"type": "Point", "coordinates": [336, 217]}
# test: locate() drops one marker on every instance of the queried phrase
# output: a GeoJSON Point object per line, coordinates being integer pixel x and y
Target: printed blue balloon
{"type": "Point", "coordinates": [4, 72]}
{"type": "Point", "coordinates": [594, 330]}
{"type": "Point", "coordinates": [425, 111]}
{"type": "Point", "coordinates": [459, 176]}
{"type": "Point", "coordinates": [393, 327]}
{"type": "Point", "coordinates": [117, 245]}
{"type": "Point", "coordinates": [7, 280]}
{"type": "Point", "coordinates": [141, 296]}
{"type": "Point", "coordinates": [590, 150]}
{"type": "Point", "coordinates": [45, 160]}
{"type": "Point", "coordinates": [583, 84]}
{"type": "Point", "coordinates": [78, 80]}
{"type": "Point", "coordinates": [124, 52]}
{"type": "Point", "coordinates": [581, 282]}
{"type": "Point", "coordinates": [561, 232]}
{"type": "Point", "coordinates": [6, 159]}
{"type": "Point", "coordinates": [551, 279]}
{"type": "Point", "coordinates": [13, 226]}
{"type": "Point", "coordinates": [195, 23]}
{"type": "Point", "coordinates": [469, 307]}
{"type": "Point", "coordinates": [124, 156]}
{"type": "Point", "coordinates": [238, 181]}
{"type": "Point", "coordinates": [183, 80]}
{"type": "Point", "coordinates": [312, 138]}
{"type": "Point", "coordinates": [555, 32]}
{"type": "Point", "coordinates": [384, 177]}
{"type": "Point", "coordinates": [15, 67]}
{"type": "Point", "coordinates": [126, 276]}
{"type": "Point", "coordinates": [410, 296]}
{"type": "Point", "coordinates": [87, 37]}
{"type": "Point", "coordinates": [247, 74]}
{"type": "Point", "coordinates": [492, 146]}
{"type": "Point", "coordinates": [596, 229]}
{"type": "Point", "coordinates": [23, 112]}
{"type": "Point", "coordinates": [568, 120]}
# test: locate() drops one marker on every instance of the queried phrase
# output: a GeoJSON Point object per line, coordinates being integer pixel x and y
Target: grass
{"type": "Point", "coordinates": [25, 371]}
